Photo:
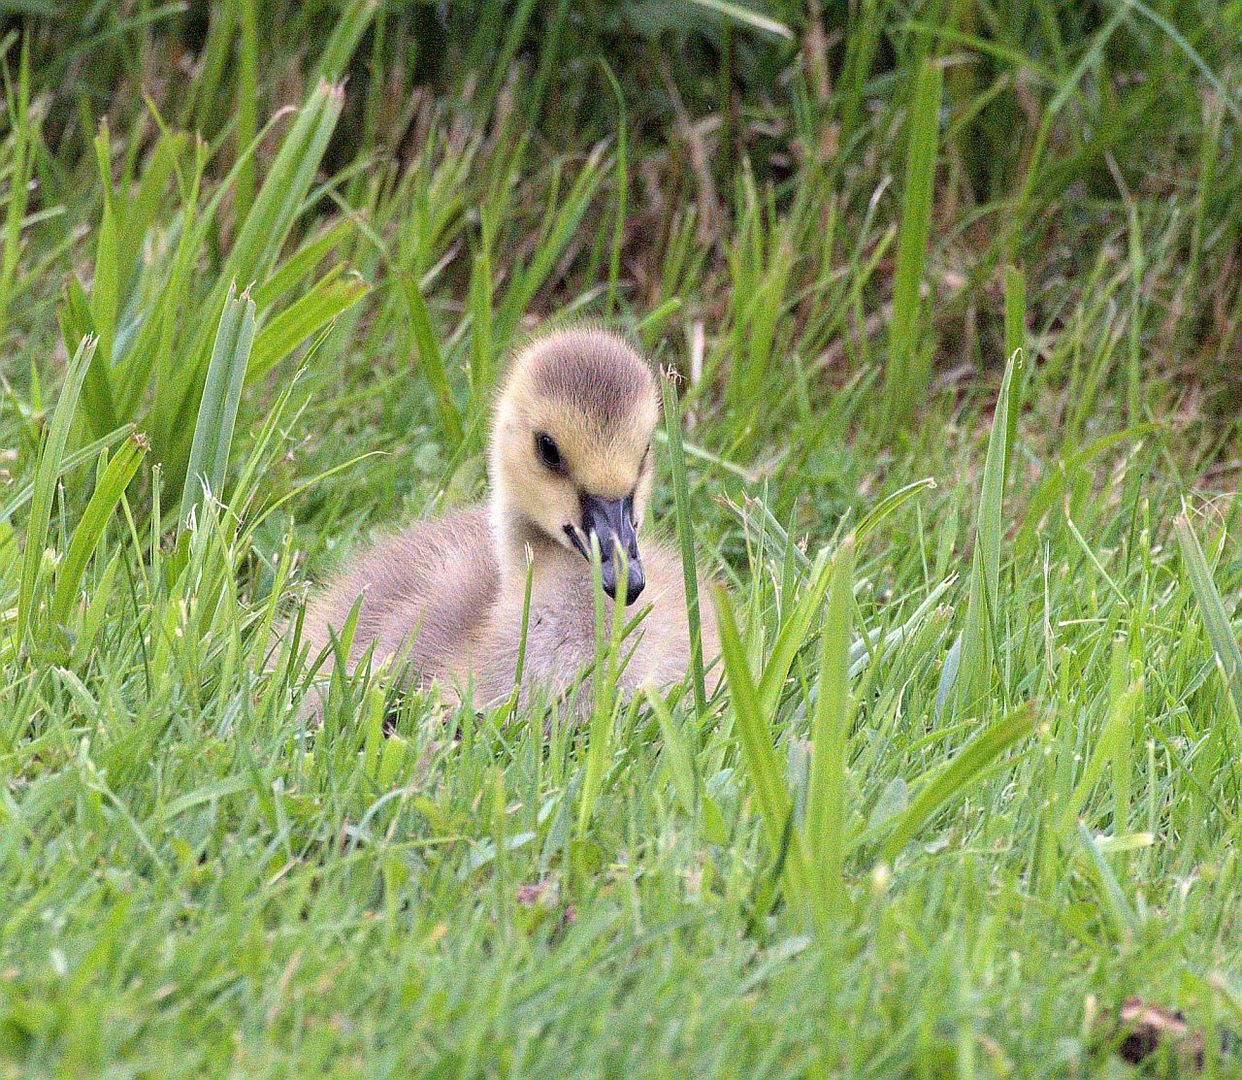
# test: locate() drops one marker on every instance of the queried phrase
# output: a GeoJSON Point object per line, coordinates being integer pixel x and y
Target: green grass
{"type": "Point", "coordinates": [956, 293]}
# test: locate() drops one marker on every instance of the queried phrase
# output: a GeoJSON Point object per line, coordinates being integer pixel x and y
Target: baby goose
{"type": "Point", "coordinates": [570, 461]}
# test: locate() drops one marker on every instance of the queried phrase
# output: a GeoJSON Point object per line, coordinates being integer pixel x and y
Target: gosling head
{"type": "Point", "coordinates": [571, 452]}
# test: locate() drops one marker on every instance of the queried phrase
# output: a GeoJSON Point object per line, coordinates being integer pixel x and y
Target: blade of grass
{"type": "Point", "coordinates": [1116, 906]}
{"type": "Point", "coordinates": [1015, 340]}
{"type": "Point", "coordinates": [90, 529]}
{"type": "Point", "coordinates": [288, 180]}
{"type": "Point", "coordinates": [905, 376]}
{"type": "Point", "coordinates": [71, 461]}
{"type": "Point", "coordinates": [600, 728]}
{"type": "Point", "coordinates": [862, 38]}
{"type": "Point", "coordinates": [51, 460]}
{"type": "Point", "coordinates": [754, 728]}
{"type": "Point", "coordinates": [302, 262]}
{"type": "Point", "coordinates": [562, 227]}
{"type": "Point", "coordinates": [1211, 608]}
{"type": "Point", "coordinates": [22, 127]}
{"type": "Point", "coordinates": [746, 16]}
{"type": "Point", "coordinates": [255, 251]}
{"type": "Point", "coordinates": [105, 285]}
{"type": "Point", "coordinates": [891, 504]}
{"type": "Point", "coordinates": [306, 315]}
{"type": "Point", "coordinates": [430, 358]}
{"type": "Point", "coordinates": [685, 539]}
{"type": "Point", "coordinates": [139, 211]}
{"type": "Point", "coordinates": [247, 103]}
{"type": "Point", "coordinates": [677, 755]}
{"type": "Point", "coordinates": [622, 181]}
{"type": "Point", "coordinates": [350, 27]}
{"type": "Point", "coordinates": [217, 412]}
{"type": "Point", "coordinates": [1118, 727]}
{"type": "Point", "coordinates": [793, 634]}
{"type": "Point", "coordinates": [954, 777]}
{"type": "Point", "coordinates": [976, 654]}
{"type": "Point", "coordinates": [826, 812]}
{"type": "Point", "coordinates": [76, 322]}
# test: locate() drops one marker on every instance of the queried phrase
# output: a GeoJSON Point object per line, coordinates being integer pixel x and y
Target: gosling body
{"type": "Point", "coordinates": [571, 469]}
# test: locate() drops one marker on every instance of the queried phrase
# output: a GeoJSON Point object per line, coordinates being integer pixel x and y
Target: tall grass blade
{"type": "Point", "coordinates": [247, 104]}
{"type": "Point", "coordinates": [623, 185]}
{"type": "Point", "coordinates": [90, 529]}
{"type": "Point", "coordinates": [890, 505]}
{"type": "Point", "coordinates": [430, 358]}
{"type": "Point", "coordinates": [353, 23]}
{"type": "Point", "coordinates": [1117, 729]}
{"type": "Point", "coordinates": [288, 180]}
{"type": "Point", "coordinates": [755, 733]}
{"type": "Point", "coordinates": [604, 695]}
{"type": "Point", "coordinates": [49, 468]}
{"type": "Point", "coordinates": [976, 651]}
{"type": "Point", "coordinates": [89, 452]}
{"type": "Point", "coordinates": [22, 127]}
{"type": "Point", "coordinates": [106, 285]}
{"type": "Point", "coordinates": [685, 539]}
{"type": "Point", "coordinates": [560, 231]}
{"type": "Point", "coordinates": [76, 322]}
{"type": "Point", "coordinates": [678, 755]}
{"type": "Point", "coordinates": [793, 635]}
{"type": "Point", "coordinates": [217, 412]}
{"type": "Point", "coordinates": [906, 374]}
{"type": "Point", "coordinates": [254, 254]}
{"type": "Point", "coordinates": [302, 319]}
{"type": "Point", "coordinates": [301, 264]}
{"type": "Point", "coordinates": [1015, 343]}
{"type": "Point", "coordinates": [954, 777]}
{"type": "Point", "coordinates": [862, 38]}
{"type": "Point", "coordinates": [746, 16]}
{"type": "Point", "coordinates": [826, 812]}
{"type": "Point", "coordinates": [1113, 900]}
{"type": "Point", "coordinates": [1211, 608]}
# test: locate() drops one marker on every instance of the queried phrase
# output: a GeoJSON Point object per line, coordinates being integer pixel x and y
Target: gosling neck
{"type": "Point", "coordinates": [518, 540]}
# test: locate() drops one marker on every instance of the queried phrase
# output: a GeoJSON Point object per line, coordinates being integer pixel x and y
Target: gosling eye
{"type": "Point", "coordinates": [549, 452]}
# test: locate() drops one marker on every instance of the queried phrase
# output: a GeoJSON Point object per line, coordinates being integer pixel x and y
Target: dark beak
{"type": "Point", "coordinates": [612, 523]}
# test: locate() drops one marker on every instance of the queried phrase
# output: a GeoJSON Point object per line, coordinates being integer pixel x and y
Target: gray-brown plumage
{"type": "Point", "coordinates": [570, 462]}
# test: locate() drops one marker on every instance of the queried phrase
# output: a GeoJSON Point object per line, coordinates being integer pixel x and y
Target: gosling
{"type": "Point", "coordinates": [571, 469]}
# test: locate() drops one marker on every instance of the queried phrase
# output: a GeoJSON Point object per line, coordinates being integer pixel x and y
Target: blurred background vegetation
{"type": "Point", "coordinates": [708, 148]}
{"type": "Point", "coordinates": [745, 187]}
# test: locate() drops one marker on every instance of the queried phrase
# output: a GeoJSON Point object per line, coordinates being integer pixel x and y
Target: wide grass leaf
{"type": "Point", "coordinates": [1211, 608]}
{"type": "Point", "coordinates": [50, 464]}
{"type": "Point", "coordinates": [430, 358]}
{"type": "Point", "coordinates": [756, 736]}
{"type": "Point", "coordinates": [955, 776]}
{"type": "Point", "coordinates": [685, 539]}
{"type": "Point", "coordinates": [90, 529]}
{"type": "Point", "coordinates": [906, 375]}
{"type": "Point", "coordinates": [677, 755]}
{"type": "Point", "coordinates": [217, 411]}
{"type": "Point", "coordinates": [974, 674]}
{"type": "Point", "coordinates": [318, 307]}
{"type": "Point", "coordinates": [826, 812]}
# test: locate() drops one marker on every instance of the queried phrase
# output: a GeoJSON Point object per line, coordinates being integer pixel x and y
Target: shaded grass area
{"type": "Point", "coordinates": [972, 778]}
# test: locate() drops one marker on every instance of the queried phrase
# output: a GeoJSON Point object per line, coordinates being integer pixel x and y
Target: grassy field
{"type": "Point", "coordinates": [956, 290]}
